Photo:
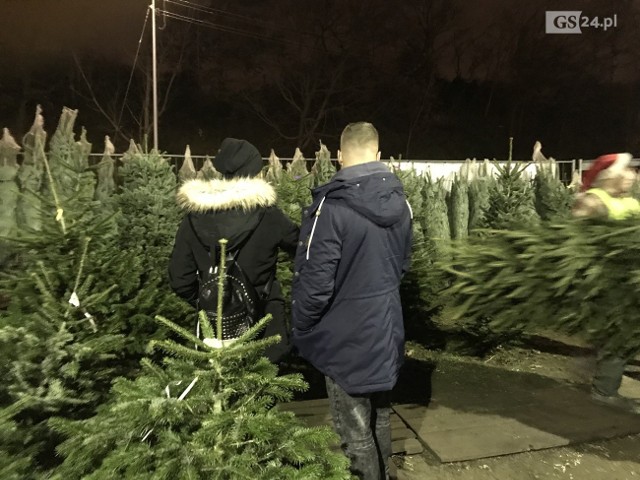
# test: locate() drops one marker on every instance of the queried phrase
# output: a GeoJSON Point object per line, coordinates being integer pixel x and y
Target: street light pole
{"type": "Point", "coordinates": [154, 61]}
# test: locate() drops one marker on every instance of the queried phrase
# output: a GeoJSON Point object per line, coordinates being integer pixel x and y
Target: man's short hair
{"type": "Point", "coordinates": [359, 135]}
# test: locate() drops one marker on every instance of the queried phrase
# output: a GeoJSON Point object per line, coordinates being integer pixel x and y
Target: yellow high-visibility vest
{"type": "Point", "coordinates": [618, 208]}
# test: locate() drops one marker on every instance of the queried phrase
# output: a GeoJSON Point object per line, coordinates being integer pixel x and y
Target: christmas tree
{"type": "Point", "coordinates": [591, 291]}
{"type": "Point", "coordinates": [503, 202]}
{"type": "Point", "coordinates": [58, 348]}
{"type": "Point", "coordinates": [13, 466]}
{"type": "Point", "coordinates": [84, 288]}
{"type": "Point", "coordinates": [148, 217]}
{"type": "Point", "coordinates": [552, 199]}
{"type": "Point", "coordinates": [207, 412]}
{"type": "Point", "coordinates": [293, 193]}
{"type": "Point", "coordinates": [413, 185]}
{"type": "Point", "coordinates": [63, 218]}
{"type": "Point", "coordinates": [511, 198]}
{"type": "Point", "coordinates": [419, 286]}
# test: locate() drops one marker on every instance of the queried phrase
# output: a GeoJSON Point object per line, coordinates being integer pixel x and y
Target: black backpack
{"type": "Point", "coordinates": [242, 305]}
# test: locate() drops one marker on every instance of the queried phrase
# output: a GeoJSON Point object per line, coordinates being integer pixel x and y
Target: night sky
{"type": "Point", "coordinates": [40, 28]}
{"type": "Point", "coordinates": [447, 79]}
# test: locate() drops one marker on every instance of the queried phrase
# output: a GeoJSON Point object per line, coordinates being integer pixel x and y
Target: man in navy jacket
{"type": "Point", "coordinates": [355, 243]}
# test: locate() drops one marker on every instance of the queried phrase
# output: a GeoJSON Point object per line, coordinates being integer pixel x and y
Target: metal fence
{"type": "Point", "coordinates": [565, 167]}
{"type": "Point", "coordinates": [437, 167]}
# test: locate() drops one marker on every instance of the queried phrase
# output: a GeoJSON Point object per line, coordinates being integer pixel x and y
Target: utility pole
{"type": "Point", "coordinates": [154, 61]}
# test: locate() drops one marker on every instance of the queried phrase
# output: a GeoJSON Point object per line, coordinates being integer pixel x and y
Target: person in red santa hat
{"type": "Point", "coordinates": [606, 193]}
{"type": "Point", "coordinates": [606, 189]}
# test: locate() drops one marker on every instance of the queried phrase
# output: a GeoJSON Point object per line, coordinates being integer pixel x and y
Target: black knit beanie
{"type": "Point", "coordinates": [237, 158]}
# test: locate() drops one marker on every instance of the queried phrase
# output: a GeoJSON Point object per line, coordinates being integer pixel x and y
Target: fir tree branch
{"type": "Point", "coordinates": [190, 337]}
{"type": "Point", "coordinates": [172, 347]}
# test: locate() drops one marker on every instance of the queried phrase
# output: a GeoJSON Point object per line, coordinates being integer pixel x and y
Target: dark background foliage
{"type": "Point", "coordinates": [440, 79]}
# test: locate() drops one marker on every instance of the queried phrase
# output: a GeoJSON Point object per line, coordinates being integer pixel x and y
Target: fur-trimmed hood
{"type": "Point", "coordinates": [199, 196]}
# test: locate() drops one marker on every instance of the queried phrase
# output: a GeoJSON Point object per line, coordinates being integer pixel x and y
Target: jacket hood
{"type": "Point", "coordinates": [377, 196]}
{"type": "Point", "coordinates": [199, 196]}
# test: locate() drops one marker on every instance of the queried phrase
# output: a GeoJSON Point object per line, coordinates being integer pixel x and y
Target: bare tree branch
{"type": "Point", "coordinates": [96, 102]}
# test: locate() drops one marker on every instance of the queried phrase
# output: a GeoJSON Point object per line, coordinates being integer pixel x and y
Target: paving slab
{"type": "Point", "coordinates": [477, 411]}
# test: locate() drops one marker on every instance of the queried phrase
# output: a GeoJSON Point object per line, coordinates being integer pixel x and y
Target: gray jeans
{"type": "Point", "coordinates": [608, 375]}
{"type": "Point", "coordinates": [362, 421]}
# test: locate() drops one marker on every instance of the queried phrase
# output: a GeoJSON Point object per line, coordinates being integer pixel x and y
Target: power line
{"type": "Point", "coordinates": [213, 11]}
{"type": "Point", "coordinates": [229, 29]}
{"type": "Point", "coordinates": [197, 21]}
{"type": "Point", "coordinates": [164, 19]}
{"type": "Point", "coordinates": [239, 31]}
{"type": "Point", "coordinates": [135, 61]}
{"type": "Point", "coordinates": [235, 30]}
{"type": "Point", "coordinates": [217, 11]}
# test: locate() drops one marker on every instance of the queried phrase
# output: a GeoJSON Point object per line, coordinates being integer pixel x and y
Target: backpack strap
{"type": "Point", "coordinates": [264, 292]}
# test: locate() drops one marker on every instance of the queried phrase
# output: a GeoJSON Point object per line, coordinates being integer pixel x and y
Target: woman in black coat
{"type": "Point", "coordinates": [240, 208]}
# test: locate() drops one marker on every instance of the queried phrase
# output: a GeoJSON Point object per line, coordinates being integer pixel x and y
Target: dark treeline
{"type": "Point", "coordinates": [440, 79]}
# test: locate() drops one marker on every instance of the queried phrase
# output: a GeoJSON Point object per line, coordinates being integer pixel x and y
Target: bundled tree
{"type": "Point", "coordinates": [208, 171]}
{"type": "Point", "coordinates": [439, 212]}
{"type": "Point", "coordinates": [106, 182]}
{"type": "Point", "coordinates": [8, 189]}
{"type": "Point", "coordinates": [414, 298]}
{"type": "Point", "coordinates": [187, 170]}
{"type": "Point", "coordinates": [552, 199]}
{"type": "Point", "coordinates": [69, 160]}
{"type": "Point", "coordinates": [435, 220]}
{"type": "Point", "coordinates": [459, 207]}
{"type": "Point", "coordinates": [274, 169]}
{"type": "Point", "coordinates": [480, 184]}
{"type": "Point", "coordinates": [298, 168]}
{"type": "Point", "coordinates": [322, 170]}
{"type": "Point", "coordinates": [205, 413]}
{"type": "Point", "coordinates": [30, 175]}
